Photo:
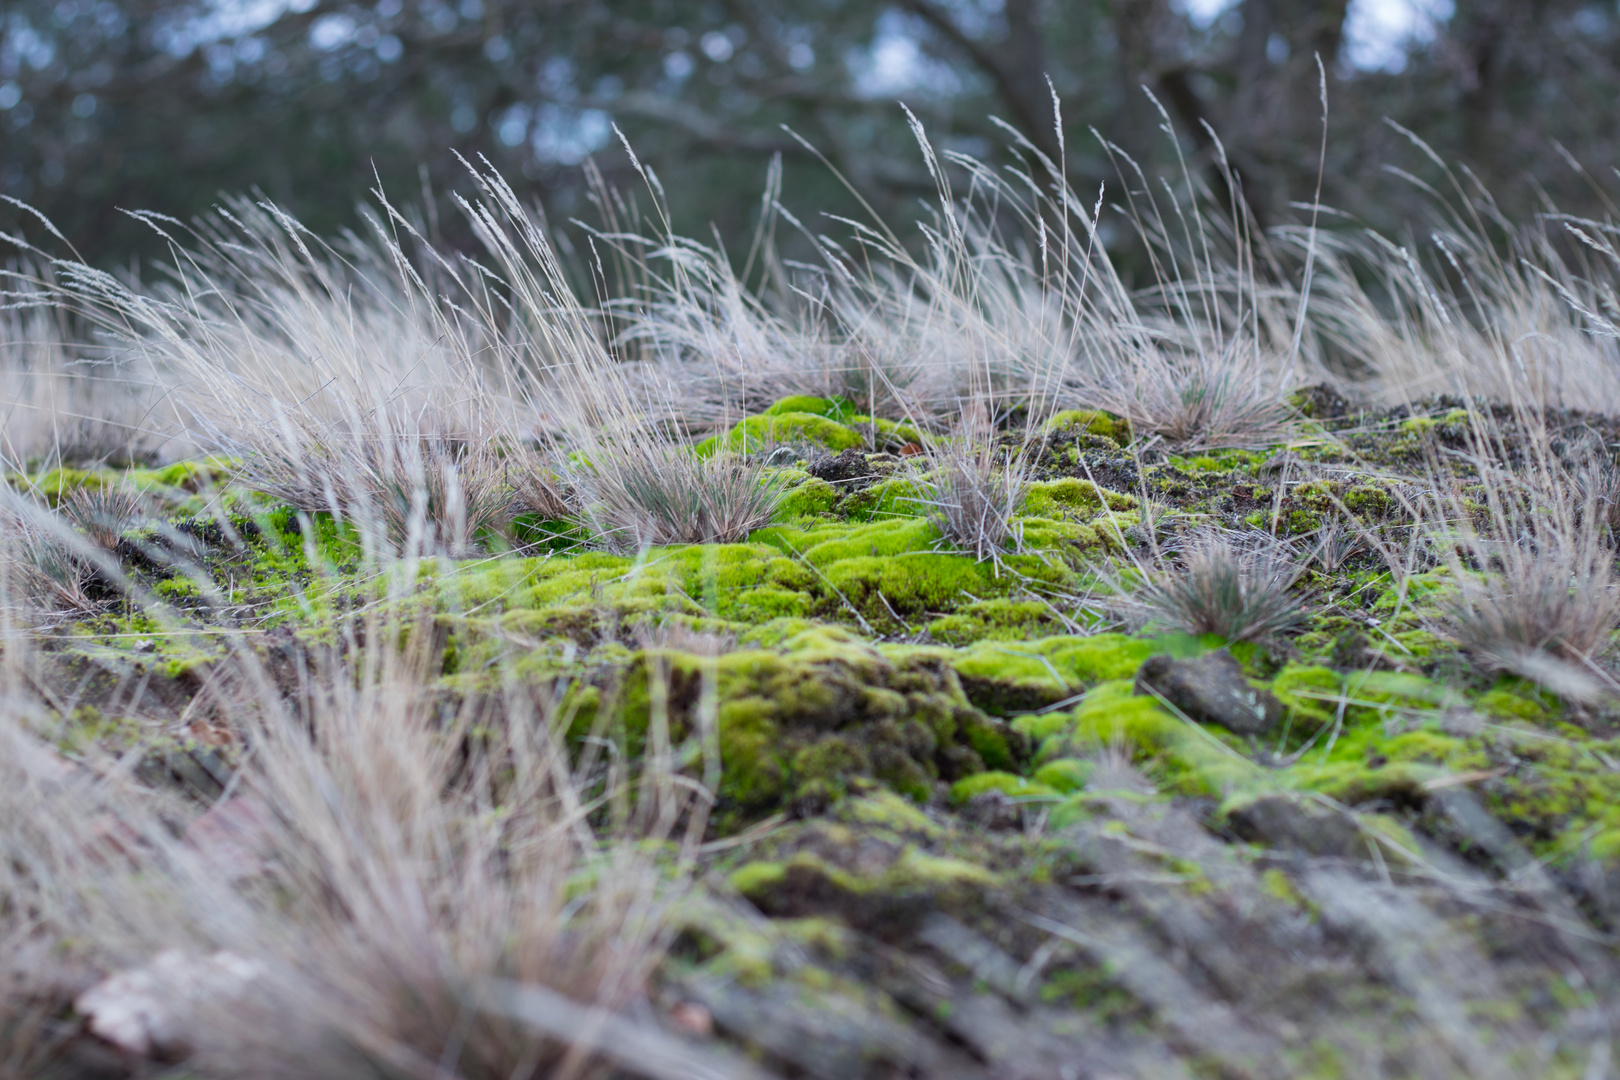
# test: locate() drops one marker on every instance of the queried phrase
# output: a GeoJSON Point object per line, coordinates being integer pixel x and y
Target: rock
{"type": "Point", "coordinates": [1211, 689]}
{"type": "Point", "coordinates": [1292, 822]}
{"type": "Point", "coordinates": [145, 1011]}
{"type": "Point", "coordinates": [993, 810]}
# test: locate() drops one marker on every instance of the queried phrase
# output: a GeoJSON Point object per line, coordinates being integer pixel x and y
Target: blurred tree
{"type": "Point", "coordinates": [161, 104]}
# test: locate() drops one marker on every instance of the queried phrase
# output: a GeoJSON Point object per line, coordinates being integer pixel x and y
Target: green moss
{"type": "Point", "coordinates": [753, 774]}
{"type": "Point", "coordinates": [1370, 501]}
{"type": "Point", "coordinates": [817, 717]}
{"type": "Point", "coordinates": [759, 432]}
{"type": "Point", "coordinates": [1093, 422]}
{"type": "Point", "coordinates": [1000, 619]}
{"type": "Point", "coordinates": [889, 435]}
{"type": "Point", "coordinates": [887, 588]}
{"type": "Point", "coordinates": [1071, 811]}
{"type": "Point", "coordinates": [895, 497]}
{"type": "Point", "coordinates": [1063, 538]}
{"type": "Point", "coordinates": [1516, 699]}
{"type": "Point", "coordinates": [918, 868]}
{"type": "Point", "coordinates": [1182, 757]}
{"type": "Point", "coordinates": [1308, 693]}
{"type": "Point", "coordinates": [1056, 498]}
{"type": "Point", "coordinates": [179, 587]}
{"type": "Point", "coordinates": [969, 788]}
{"type": "Point", "coordinates": [191, 476]}
{"type": "Point", "coordinates": [1004, 678]}
{"type": "Point", "coordinates": [914, 873]}
{"type": "Point", "coordinates": [989, 741]}
{"type": "Point", "coordinates": [829, 764]}
{"type": "Point", "coordinates": [1065, 776]}
{"type": "Point", "coordinates": [807, 499]}
{"type": "Point", "coordinates": [57, 484]}
{"type": "Point", "coordinates": [580, 595]}
{"type": "Point", "coordinates": [755, 878]}
{"type": "Point", "coordinates": [828, 937]}
{"type": "Point", "coordinates": [838, 409]}
{"type": "Point", "coordinates": [886, 810]}
{"type": "Point", "coordinates": [1278, 887]}
{"type": "Point", "coordinates": [1400, 689]}
{"type": "Point", "coordinates": [1093, 991]}
{"type": "Point", "coordinates": [145, 641]}
{"type": "Point", "coordinates": [1317, 495]}
{"type": "Point", "coordinates": [1038, 727]}
{"type": "Point", "coordinates": [824, 545]}
{"type": "Point", "coordinates": [1300, 522]}
{"type": "Point", "coordinates": [1605, 846]}
{"type": "Point", "coordinates": [1365, 766]}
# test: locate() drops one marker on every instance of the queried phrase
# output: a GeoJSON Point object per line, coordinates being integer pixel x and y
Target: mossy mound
{"type": "Point", "coordinates": [801, 722]}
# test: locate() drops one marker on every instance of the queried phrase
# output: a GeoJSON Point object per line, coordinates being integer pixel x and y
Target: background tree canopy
{"type": "Point", "coordinates": [163, 104]}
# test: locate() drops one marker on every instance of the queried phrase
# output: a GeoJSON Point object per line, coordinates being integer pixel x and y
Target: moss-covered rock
{"type": "Point", "coordinates": [1005, 678]}
{"type": "Point", "coordinates": [802, 725]}
{"type": "Point", "coordinates": [1116, 429]}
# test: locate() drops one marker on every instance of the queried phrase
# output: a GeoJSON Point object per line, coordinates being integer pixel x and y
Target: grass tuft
{"type": "Point", "coordinates": [1532, 555]}
{"type": "Point", "coordinates": [1233, 585]}
{"type": "Point", "coordinates": [973, 490]}
{"type": "Point", "coordinates": [44, 565]}
{"type": "Point", "coordinates": [640, 493]}
{"type": "Point", "coordinates": [104, 514]}
{"type": "Point", "coordinates": [1558, 603]}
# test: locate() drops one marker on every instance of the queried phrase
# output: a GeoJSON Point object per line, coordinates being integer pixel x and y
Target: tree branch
{"type": "Point", "coordinates": [1020, 83]}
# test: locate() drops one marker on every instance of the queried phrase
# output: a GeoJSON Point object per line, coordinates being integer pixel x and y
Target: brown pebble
{"type": "Point", "coordinates": [692, 1018]}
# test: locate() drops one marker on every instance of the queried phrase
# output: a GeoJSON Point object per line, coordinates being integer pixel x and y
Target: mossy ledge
{"type": "Point", "coordinates": [960, 829]}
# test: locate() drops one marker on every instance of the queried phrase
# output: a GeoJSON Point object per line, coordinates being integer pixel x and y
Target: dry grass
{"type": "Point", "coordinates": [973, 489]}
{"type": "Point", "coordinates": [638, 495]}
{"type": "Point", "coordinates": [436, 398]}
{"type": "Point", "coordinates": [335, 372]}
{"type": "Point", "coordinates": [636, 486]}
{"type": "Point", "coordinates": [409, 882]}
{"type": "Point", "coordinates": [104, 514]}
{"type": "Point", "coordinates": [46, 569]}
{"type": "Point", "coordinates": [382, 876]}
{"type": "Point", "coordinates": [1234, 585]}
{"type": "Point", "coordinates": [1014, 297]}
{"type": "Point", "coordinates": [1533, 559]}
{"type": "Point", "coordinates": [1487, 307]}
{"type": "Point", "coordinates": [65, 401]}
{"type": "Point", "coordinates": [1554, 603]}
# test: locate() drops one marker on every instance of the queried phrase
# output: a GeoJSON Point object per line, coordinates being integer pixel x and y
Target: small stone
{"type": "Point", "coordinates": [1211, 689]}
{"type": "Point", "coordinates": [144, 1011]}
{"type": "Point", "coordinates": [692, 1019]}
